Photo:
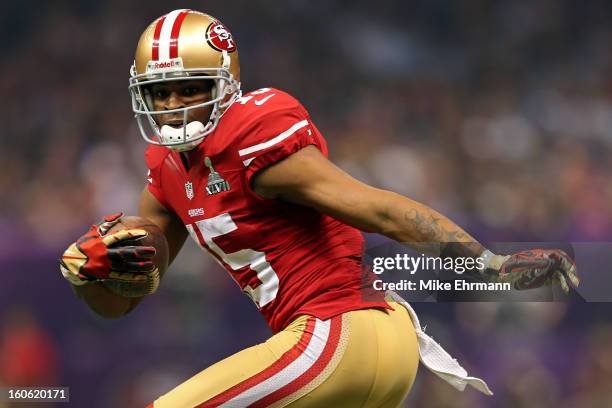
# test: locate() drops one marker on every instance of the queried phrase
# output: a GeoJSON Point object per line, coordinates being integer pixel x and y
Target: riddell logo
{"type": "Point", "coordinates": [166, 65]}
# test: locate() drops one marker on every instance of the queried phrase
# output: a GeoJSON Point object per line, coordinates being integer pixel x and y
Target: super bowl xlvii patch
{"type": "Point", "coordinates": [189, 190]}
{"type": "Point", "coordinates": [216, 183]}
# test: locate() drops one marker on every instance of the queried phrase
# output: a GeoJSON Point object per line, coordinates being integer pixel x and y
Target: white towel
{"type": "Point", "coordinates": [436, 359]}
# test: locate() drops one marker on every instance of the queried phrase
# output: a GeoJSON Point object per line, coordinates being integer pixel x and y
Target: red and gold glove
{"type": "Point", "coordinates": [532, 268]}
{"type": "Point", "coordinates": [98, 256]}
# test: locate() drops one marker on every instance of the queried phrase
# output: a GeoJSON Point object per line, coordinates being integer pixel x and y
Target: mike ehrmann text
{"type": "Point", "coordinates": [437, 285]}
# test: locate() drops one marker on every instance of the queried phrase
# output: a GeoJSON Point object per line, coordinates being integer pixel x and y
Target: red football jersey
{"type": "Point", "coordinates": [289, 259]}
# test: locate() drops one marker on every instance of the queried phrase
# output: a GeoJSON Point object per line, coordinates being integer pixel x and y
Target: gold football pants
{"type": "Point", "coordinates": [362, 358]}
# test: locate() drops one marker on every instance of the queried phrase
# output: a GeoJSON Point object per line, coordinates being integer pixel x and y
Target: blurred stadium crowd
{"type": "Point", "coordinates": [498, 114]}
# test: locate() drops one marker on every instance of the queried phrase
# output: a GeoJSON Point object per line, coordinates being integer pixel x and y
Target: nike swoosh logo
{"type": "Point", "coordinates": [262, 101]}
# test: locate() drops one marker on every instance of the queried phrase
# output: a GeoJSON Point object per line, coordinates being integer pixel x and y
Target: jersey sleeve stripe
{"type": "Point", "coordinates": [275, 140]}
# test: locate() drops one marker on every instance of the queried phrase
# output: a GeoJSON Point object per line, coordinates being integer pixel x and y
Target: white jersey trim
{"type": "Point", "coordinates": [273, 141]}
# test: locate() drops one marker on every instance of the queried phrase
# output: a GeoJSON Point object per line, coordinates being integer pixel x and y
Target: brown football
{"type": "Point", "coordinates": [155, 238]}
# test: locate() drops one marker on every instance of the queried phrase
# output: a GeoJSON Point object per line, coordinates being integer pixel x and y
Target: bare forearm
{"type": "Point", "coordinates": [407, 221]}
{"type": "Point", "coordinates": [166, 220]}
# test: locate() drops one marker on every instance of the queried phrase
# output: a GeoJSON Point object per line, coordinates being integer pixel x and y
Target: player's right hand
{"type": "Point", "coordinates": [100, 256]}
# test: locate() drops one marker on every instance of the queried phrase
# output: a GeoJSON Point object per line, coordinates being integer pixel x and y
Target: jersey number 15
{"type": "Point", "coordinates": [223, 224]}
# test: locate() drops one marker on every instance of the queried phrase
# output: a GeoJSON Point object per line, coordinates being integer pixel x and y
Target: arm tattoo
{"type": "Point", "coordinates": [435, 234]}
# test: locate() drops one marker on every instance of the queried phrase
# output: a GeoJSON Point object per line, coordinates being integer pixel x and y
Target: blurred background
{"type": "Point", "coordinates": [496, 113]}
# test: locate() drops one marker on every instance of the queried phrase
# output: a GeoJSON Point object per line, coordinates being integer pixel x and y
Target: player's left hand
{"type": "Point", "coordinates": [537, 267]}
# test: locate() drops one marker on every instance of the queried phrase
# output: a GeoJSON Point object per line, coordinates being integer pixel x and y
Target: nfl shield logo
{"type": "Point", "coordinates": [189, 190]}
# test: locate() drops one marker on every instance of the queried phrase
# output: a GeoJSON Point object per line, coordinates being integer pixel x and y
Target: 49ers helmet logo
{"type": "Point", "coordinates": [220, 38]}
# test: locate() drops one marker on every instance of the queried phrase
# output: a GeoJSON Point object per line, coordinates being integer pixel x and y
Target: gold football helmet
{"type": "Point", "coordinates": [183, 45]}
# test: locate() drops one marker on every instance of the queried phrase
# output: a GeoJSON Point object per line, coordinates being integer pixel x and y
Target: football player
{"type": "Point", "coordinates": [248, 178]}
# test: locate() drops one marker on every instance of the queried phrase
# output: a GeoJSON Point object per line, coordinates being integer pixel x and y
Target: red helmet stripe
{"type": "Point", "coordinates": [155, 48]}
{"type": "Point", "coordinates": [176, 29]}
